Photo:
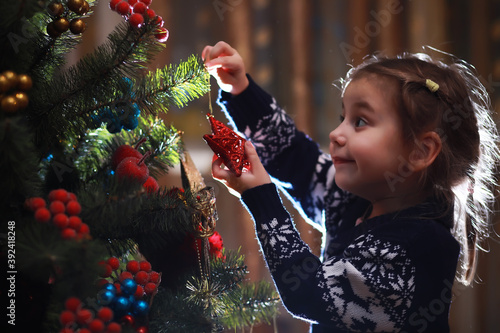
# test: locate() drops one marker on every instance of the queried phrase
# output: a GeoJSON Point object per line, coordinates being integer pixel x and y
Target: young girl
{"type": "Point", "coordinates": [403, 197]}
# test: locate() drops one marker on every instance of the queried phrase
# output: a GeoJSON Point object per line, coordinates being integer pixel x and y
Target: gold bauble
{"type": "Point", "coordinates": [11, 78]}
{"type": "Point", "coordinates": [9, 104]}
{"type": "Point", "coordinates": [22, 99]}
{"type": "Point", "coordinates": [84, 9]}
{"type": "Point", "coordinates": [4, 83]}
{"type": "Point", "coordinates": [77, 26]}
{"type": "Point", "coordinates": [24, 82]}
{"type": "Point", "coordinates": [75, 5]}
{"type": "Point", "coordinates": [56, 9]}
{"type": "Point", "coordinates": [52, 31]}
{"type": "Point", "coordinates": [61, 24]}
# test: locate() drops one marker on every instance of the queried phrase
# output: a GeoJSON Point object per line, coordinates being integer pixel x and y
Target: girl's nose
{"type": "Point", "coordinates": [337, 136]}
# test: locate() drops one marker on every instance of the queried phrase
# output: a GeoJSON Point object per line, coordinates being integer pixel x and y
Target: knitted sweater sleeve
{"type": "Point", "coordinates": [293, 160]}
{"type": "Point", "coordinates": [366, 289]}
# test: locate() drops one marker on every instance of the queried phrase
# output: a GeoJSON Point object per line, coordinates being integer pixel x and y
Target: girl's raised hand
{"type": "Point", "coordinates": [256, 174]}
{"type": "Point", "coordinates": [226, 65]}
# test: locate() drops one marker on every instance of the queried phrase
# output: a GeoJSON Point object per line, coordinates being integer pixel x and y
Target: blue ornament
{"type": "Point", "coordinates": [140, 308]}
{"type": "Point", "coordinates": [114, 125]}
{"type": "Point", "coordinates": [132, 119]}
{"type": "Point", "coordinates": [111, 287]}
{"type": "Point", "coordinates": [121, 305]}
{"type": "Point", "coordinates": [128, 287]}
{"type": "Point", "coordinates": [123, 114]}
{"type": "Point", "coordinates": [105, 297]}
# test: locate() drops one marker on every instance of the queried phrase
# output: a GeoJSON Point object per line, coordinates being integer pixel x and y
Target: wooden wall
{"type": "Point", "coordinates": [296, 49]}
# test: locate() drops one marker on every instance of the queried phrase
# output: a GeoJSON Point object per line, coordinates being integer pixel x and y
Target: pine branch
{"type": "Point", "coordinates": [173, 85]}
{"type": "Point", "coordinates": [94, 82]}
{"type": "Point", "coordinates": [19, 166]}
{"type": "Point", "coordinates": [256, 302]}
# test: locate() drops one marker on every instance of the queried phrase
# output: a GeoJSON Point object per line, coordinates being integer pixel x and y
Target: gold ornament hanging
{"type": "Point", "coordinates": [56, 9]}
{"type": "Point", "coordinates": [61, 22]}
{"type": "Point", "coordinates": [77, 26]}
{"type": "Point", "coordinates": [13, 89]}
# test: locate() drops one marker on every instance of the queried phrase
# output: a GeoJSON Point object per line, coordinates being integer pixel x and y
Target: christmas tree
{"type": "Point", "coordinates": [93, 243]}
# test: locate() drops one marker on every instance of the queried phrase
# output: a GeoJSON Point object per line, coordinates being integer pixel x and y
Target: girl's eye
{"type": "Point", "coordinates": [360, 122]}
{"type": "Point", "coordinates": [341, 118]}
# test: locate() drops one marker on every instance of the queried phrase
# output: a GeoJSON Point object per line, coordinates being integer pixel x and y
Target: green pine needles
{"type": "Point", "coordinates": [64, 138]}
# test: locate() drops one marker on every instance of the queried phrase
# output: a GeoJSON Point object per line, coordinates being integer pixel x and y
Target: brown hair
{"type": "Point", "coordinates": [459, 111]}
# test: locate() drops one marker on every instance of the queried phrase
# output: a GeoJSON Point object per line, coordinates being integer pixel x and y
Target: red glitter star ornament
{"type": "Point", "coordinates": [227, 145]}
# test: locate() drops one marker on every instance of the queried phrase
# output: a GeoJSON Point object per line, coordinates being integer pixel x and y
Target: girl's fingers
{"type": "Point", "coordinates": [251, 153]}
{"type": "Point", "coordinates": [218, 50]}
{"type": "Point", "coordinates": [217, 171]}
{"type": "Point", "coordinates": [205, 51]}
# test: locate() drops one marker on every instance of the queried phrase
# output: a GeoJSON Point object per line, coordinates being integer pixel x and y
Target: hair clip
{"type": "Point", "coordinates": [431, 85]}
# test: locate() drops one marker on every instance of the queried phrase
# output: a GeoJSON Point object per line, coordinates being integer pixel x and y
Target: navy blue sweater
{"type": "Point", "coordinates": [390, 273]}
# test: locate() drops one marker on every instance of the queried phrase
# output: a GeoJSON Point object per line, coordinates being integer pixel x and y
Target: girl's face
{"type": "Point", "coordinates": [367, 148]}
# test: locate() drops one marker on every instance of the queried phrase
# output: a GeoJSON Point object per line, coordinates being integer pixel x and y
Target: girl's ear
{"type": "Point", "coordinates": [427, 148]}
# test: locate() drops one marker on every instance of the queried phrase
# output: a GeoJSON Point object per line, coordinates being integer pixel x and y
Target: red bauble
{"type": "Point", "coordinates": [114, 263]}
{"type": "Point", "coordinates": [134, 169]}
{"type": "Point", "coordinates": [125, 275]}
{"type": "Point", "coordinates": [35, 203]}
{"type": "Point", "coordinates": [140, 8]}
{"type": "Point", "coordinates": [123, 8]}
{"type": "Point", "coordinates": [96, 326]}
{"type": "Point", "coordinates": [68, 233]}
{"type": "Point", "coordinates": [73, 304]}
{"type": "Point", "coordinates": [42, 215]}
{"type": "Point", "coordinates": [113, 328]}
{"type": "Point", "coordinates": [145, 266]}
{"type": "Point", "coordinates": [128, 320]}
{"type": "Point", "coordinates": [151, 185]}
{"type": "Point", "coordinates": [227, 145]}
{"type": "Point", "coordinates": [105, 314]}
{"type": "Point", "coordinates": [150, 288]}
{"type": "Point", "coordinates": [161, 34]}
{"type": "Point", "coordinates": [73, 208]}
{"type": "Point", "coordinates": [125, 151]}
{"type": "Point", "coordinates": [133, 266]}
{"type": "Point", "coordinates": [216, 245]}
{"type": "Point", "coordinates": [142, 329]}
{"type": "Point", "coordinates": [136, 20]}
{"type": "Point", "coordinates": [154, 277]}
{"type": "Point", "coordinates": [84, 316]}
{"type": "Point", "coordinates": [84, 229]}
{"type": "Point", "coordinates": [74, 222]}
{"type": "Point", "coordinates": [113, 3]}
{"type": "Point", "coordinates": [67, 317]}
{"type": "Point", "coordinates": [59, 194]}
{"type": "Point", "coordinates": [57, 207]}
{"type": "Point", "coordinates": [60, 220]}
{"type": "Point", "coordinates": [139, 292]}
{"type": "Point", "coordinates": [158, 20]}
{"type": "Point", "coordinates": [141, 277]}
{"type": "Point", "coordinates": [151, 14]}
{"type": "Point", "coordinates": [147, 2]}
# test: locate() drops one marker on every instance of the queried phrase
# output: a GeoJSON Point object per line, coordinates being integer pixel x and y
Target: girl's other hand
{"type": "Point", "coordinates": [256, 174]}
{"type": "Point", "coordinates": [226, 65]}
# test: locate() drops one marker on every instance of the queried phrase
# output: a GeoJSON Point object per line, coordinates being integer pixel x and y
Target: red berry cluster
{"type": "Point", "coordinates": [128, 163]}
{"type": "Point", "coordinates": [76, 318]}
{"type": "Point", "coordinates": [62, 211]}
{"type": "Point", "coordinates": [136, 12]}
{"type": "Point", "coordinates": [140, 271]}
